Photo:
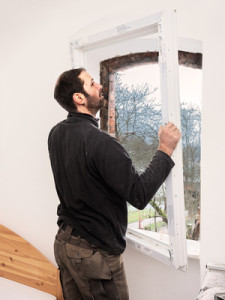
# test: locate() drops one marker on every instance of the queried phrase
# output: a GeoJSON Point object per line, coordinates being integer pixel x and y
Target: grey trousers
{"type": "Point", "coordinates": [86, 272]}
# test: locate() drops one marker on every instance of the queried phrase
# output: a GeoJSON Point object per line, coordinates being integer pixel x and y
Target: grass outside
{"type": "Point", "coordinates": [133, 216]}
{"type": "Point", "coordinates": [151, 227]}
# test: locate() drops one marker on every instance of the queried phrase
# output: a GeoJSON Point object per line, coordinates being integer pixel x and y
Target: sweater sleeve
{"type": "Point", "coordinates": [115, 168]}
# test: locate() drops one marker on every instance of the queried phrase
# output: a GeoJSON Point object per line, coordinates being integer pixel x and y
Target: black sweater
{"type": "Point", "coordinates": [94, 178]}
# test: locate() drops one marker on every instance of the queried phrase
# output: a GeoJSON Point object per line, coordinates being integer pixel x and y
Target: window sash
{"type": "Point", "coordinates": [164, 24]}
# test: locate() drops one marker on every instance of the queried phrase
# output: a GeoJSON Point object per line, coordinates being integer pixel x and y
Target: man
{"type": "Point", "coordinates": [95, 179]}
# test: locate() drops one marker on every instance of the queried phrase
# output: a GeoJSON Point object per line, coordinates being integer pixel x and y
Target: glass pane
{"type": "Point", "coordinates": [138, 117]}
{"type": "Point", "coordinates": [190, 93]}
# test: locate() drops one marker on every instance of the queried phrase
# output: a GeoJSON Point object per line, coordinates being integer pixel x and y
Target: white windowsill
{"type": "Point", "coordinates": [157, 244]}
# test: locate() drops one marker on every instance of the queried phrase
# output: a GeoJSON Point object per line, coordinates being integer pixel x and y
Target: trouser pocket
{"type": "Point", "coordinates": [89, 264]}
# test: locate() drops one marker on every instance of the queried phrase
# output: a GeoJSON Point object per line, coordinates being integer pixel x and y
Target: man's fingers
{"type": "Point", "coordinates": [170, 124]}
{"type": "Point", "coordinates": [169, 127]}
{"type": "Point", "coordinates": [160, 129]}
{"type": "Point", "coordinates": [169, 136]}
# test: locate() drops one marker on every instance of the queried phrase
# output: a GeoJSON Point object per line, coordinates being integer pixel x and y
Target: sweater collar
{"type": "Point", "coordinates": [83, 116]}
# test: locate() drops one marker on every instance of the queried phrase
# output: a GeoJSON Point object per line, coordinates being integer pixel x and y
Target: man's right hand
{"type": "Point", "coordinates": [169, 135]}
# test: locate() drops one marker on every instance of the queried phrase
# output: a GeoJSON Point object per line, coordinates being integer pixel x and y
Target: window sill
{"type": "Point", "coordinates": [156, 245]}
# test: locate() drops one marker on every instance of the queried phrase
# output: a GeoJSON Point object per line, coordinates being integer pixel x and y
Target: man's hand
{"type": "Point", "coordinates": [169, 135]}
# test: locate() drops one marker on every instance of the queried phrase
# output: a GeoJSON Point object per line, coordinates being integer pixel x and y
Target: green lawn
{"type": "Point", "coordinates": [151, 227]}
{"type": "Point", "coordinates": [133, 216]}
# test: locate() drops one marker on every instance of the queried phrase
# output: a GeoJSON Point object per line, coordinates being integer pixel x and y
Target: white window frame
{"type": "Point", "coordinates": [174, 250]}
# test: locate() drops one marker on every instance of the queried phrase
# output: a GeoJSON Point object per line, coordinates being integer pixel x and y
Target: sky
{"type": "Point", "coordinates": [190, 81]}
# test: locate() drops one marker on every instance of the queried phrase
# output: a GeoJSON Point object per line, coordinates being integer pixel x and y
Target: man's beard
{"type": "Point", "coordinates": [94, 104]}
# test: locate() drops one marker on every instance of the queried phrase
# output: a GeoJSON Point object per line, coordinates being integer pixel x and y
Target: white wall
{"type": "Point", "coordinates": [213, 137]}
{"type": "Point", "coordinates": [149, 279]}
{"type": "Point", "coordinates": [34, 51]}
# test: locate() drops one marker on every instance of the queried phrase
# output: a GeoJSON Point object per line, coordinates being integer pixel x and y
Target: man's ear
{"type": "Point", "coordinates": [79, 98]}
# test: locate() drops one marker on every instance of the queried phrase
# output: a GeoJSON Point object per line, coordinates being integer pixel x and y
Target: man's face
{"type": "Point", "coordinates": [95, 98]}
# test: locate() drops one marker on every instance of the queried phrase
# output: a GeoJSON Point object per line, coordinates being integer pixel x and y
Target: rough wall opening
{"type": "Point", "coordinates": [110, 66]}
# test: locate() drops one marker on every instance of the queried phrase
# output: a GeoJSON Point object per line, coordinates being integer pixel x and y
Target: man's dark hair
{"type": "Point", "coordinates": [67, 84]}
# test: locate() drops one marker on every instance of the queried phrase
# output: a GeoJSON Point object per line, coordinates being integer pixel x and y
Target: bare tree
{"type": "Point", "coordinates": [137, 119]}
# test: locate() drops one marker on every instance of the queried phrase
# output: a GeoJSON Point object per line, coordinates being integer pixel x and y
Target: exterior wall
{"type": "Point", "coordinates": [34, 51]}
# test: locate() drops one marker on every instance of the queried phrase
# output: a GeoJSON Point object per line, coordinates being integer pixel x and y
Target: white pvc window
{"type": "Point", "coordinates": [87, 51]}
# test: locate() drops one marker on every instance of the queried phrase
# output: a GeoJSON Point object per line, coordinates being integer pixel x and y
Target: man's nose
{"type": "Point", "coordinates": [99, 86]}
